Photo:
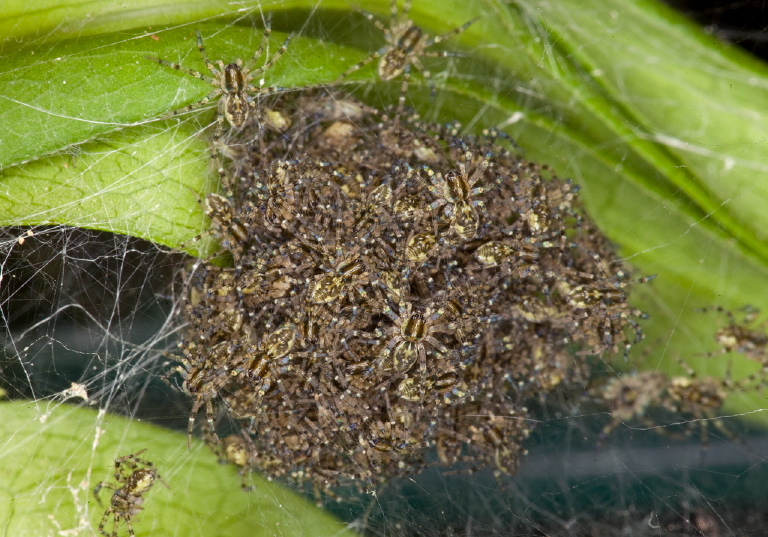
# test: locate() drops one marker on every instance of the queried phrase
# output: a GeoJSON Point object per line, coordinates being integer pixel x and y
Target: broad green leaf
{"type": "Point", "coordinates": [141, 177]}
{"type": "Point", "coordinates": [54, 455]}
{"type": "Point", "coordinates": [123, 183]}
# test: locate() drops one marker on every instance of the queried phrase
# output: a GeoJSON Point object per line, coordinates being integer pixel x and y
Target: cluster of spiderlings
{"type": "Point", "coordinates": [395, 291]}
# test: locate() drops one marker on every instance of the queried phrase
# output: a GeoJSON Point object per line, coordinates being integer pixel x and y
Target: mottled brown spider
{"type": "Point", "coordinates": [233, 82]}
{"type": "Point", "coordinates": [405, 45]}
{"type": "Point", "coordinates": [205, 374]}
{"type": "Point", "coordinates": [133, 479]}
{"type": "Point", "coordinates": [629, 397]}
{"type": "Point", "coordinates": [455, 190]}
{"type": "Point", "coordinates": [232, 232]}
{"type": "Point", "coordinates": [272, 358]}
{"type": "Point", "coordinates": [740, 337]}
{"type": "Point", "coordinates": [333, 283]}
{"type": "Point", "coordinates": [411, 332]}
{"type": "Point", "coordinates": [702, 399]}
{"type": "Point", "coordinates": [237, 449]}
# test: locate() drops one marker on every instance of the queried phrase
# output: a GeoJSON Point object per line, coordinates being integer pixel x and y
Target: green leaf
{"type": "Point", "coordinates": [141, 177]}
{"type": "Point", "coordinates": [54, 455]}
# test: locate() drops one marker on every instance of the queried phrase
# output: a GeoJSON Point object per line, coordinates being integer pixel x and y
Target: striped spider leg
{"type": "Point", "coordinates": [405, 45]}
{"type": "Point", "coordinates": [233, 82]}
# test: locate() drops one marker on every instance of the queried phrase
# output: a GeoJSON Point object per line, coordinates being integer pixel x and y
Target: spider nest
{"type": "Point", "coordinates": [395, 290]}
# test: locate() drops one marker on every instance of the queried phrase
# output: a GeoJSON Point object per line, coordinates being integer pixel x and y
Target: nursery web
{"type": "Point", "coordinates": [89, 316]}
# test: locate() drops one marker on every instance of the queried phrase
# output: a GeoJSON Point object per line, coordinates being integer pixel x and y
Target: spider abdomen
{"type": "Point", "coordinates": [401, 357]}
{"type": "Point", "coordinates": [236, 110]}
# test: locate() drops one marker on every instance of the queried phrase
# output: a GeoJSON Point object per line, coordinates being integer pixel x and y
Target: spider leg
{"type": "Point", "coordinates": [252, 74]}
{"type": "Point", "coordinates": [277, 373]}
{"type": "Point", "coordinates": [192, 415]}
{"type": "Point", "coordinates": [416, 61]}
{"type": "Point", "coordinates": [270, 90]}
{"type": "Point", "coordinates": [441, 54]}
{"type": "Point", "coordinates": [134, 460]}
{"type": "Point", "coordinates": [209, 419]}
{"type": "Point", "coordinates": [104, 522]}
{"type": "Point", "coordinates": [478, 175]}
{"type": "Point", "coordinates": [403, 91]}
{"type": "Point", "coordinates": [371, 17]}
{"type": "Point", "coordinates": [385, 362]}
{"type": "Point", "coordinates": [359, 65]}
{"type": "Point", "coordinates": [130, 527]}
{"type": "Point", "coordinates": [453, 32]}
{"type": "Point", "coordinates": [194, 106]}
{"type": "Point", "coordinates": [191, 72]}
{"type": "Point", "coordinates": [99, 486]}
{"type": "Point", "coordinates": [219, 130]}
{"type": "Point", "coordinates": [264, 39]}
{"type": "Point", "coordinates": [208, 63]}
{"type": "Point", "coordinates": [437, 345]}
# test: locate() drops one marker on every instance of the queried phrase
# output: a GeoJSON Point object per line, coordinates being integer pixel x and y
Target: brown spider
{"type": "Point", "coordinates": [740, 337]}
{"type": "Point", "coordinates": [232, 82]}
{"type": "Point", "coordinates": [701, 399]}
{"type": "Point", "coordinates": [411, 332]}
{"type": "Point", "coordinates": [629, 397]}
{"type": "Point", "coordinates": [272, 359]}
{"type": "Point", "coordinates": [455, 190]}
{"type": "Point", "coordinates": [333, 283]}
{"type": "Point", "coordinates": [205, 375]}
{"type": "Point", "coordinates": [521, 259]}
{"type": "Point", "coordinates": [134, 477]}
{"type": "Point", "coordinates": [231, 230]}
{"type": "Point", "coordinates": [405, 44]}
{"type": "Point", "coordinates": [240, 451]}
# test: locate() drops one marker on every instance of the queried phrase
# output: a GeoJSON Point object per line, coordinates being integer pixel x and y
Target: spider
{"type": "Point", "coordinates": [520, 260]}
{"type": "Point", "coordinates": [332, 284]}
{"type": "Point", "coordinates": [134, 477]}
{"type": "Point", "coordinates": [232, 231]}
{"type": "Point", "coordinates": [629, 397]}
{"type": "Point", "coordinates": [240, 451]}
{"type": "Point", "coordinates": [271, 360]}
{"type": "Point", "coordinates": [455, 191]}
{"type": "Point", "coordinates": [741, 337]}
{"type": "Point", "coordinates": [411, 333]}
{"type": "Point", "coordinates": [232, 82]}
{"type": "Point", "coordinates": [405, 44]}
{"type": "Point", "coordinates": [204, 379]}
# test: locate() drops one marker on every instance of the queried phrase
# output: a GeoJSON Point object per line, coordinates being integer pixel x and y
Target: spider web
{"type": "Point", "coordinates": [88, 316]}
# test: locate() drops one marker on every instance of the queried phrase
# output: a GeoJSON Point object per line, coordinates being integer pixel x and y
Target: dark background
{"type": "Point", "coordinates": [743, 23]}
